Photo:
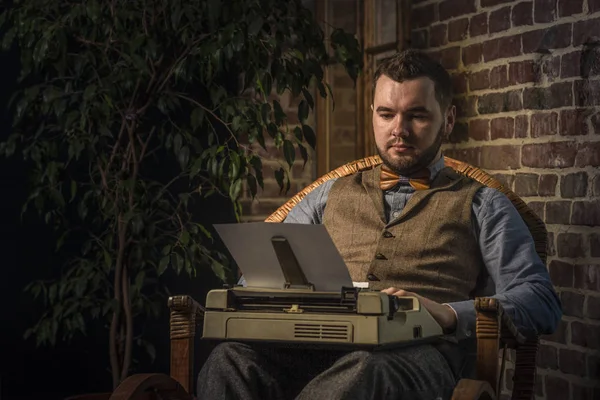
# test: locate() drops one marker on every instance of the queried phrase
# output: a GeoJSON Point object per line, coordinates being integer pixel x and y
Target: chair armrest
{"type": "Point", "coordinates": [495, 327]}
{"type": "Point", "coordinates": [185, 314]}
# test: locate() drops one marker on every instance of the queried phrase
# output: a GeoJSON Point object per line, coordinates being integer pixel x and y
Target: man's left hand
{"type": "Point", "coordinates": [443, 314]}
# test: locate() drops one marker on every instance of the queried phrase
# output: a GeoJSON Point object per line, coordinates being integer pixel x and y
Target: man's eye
{"type": "Point", "coordinates": [386, 116]}
{"type": "Point", "coordinates": [419, 116]}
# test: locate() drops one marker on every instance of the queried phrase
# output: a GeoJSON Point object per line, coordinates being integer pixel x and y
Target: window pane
{"type": "Point", "coordinates": [386, 17]}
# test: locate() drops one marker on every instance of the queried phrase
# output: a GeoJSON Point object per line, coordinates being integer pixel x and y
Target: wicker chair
{"type": "Point", "coordinates": [495, 331]}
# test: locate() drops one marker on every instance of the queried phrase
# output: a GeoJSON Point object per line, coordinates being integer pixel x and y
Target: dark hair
{"type": "Point", "coordinates": [412, 64]}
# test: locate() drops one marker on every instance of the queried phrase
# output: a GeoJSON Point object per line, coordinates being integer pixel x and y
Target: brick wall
{"type": "Point", "coordinates": [526, 73]}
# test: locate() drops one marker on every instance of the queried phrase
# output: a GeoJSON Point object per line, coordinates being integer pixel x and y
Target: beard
{"type": "Point", "coordinates": [406, 165]}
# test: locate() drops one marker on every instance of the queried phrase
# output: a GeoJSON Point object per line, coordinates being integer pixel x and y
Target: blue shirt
{"type": "Point", "coordinates": [521, 280]}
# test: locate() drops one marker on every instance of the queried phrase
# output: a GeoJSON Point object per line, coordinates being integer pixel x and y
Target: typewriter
{"type": "Point", "coordinates": [297, 313]}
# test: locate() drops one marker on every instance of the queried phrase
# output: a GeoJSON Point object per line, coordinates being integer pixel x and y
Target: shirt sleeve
{"type": "Point", "coordinates": [311, 208]}
{"type": "Point", "coordinates": [522, 282]}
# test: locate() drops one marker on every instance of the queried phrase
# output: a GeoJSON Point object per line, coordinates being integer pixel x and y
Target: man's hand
{"type": "Point", "coordinates": [443, 314]}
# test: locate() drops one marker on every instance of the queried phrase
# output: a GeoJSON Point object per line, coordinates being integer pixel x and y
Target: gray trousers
{"type": "Point", "coordinates": [263, 372]}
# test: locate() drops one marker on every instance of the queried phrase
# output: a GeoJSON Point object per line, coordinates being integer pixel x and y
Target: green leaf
{"type": "Point", "coordinates": [310, 136]}
{"type": "Point", "coordinates": [279, 114]}
{"type": "Point", "coordinates": [185, 238]}
{"type": "Point", "coordinates": [279, 174]}
{"type": "Point", "coordinates": [235, 189]}
{"type": "Point", "coordinates": [73, 190]}
{"type": "Point", "coordinates": [197, 117]}
{"type": "Point", "coordinates": [304, 154]}
{"type": "Point", "coordinates": [107, 259]}
{"type": "Point", "coordinates": [89, 92]}
{"type": "Point", "coordinates": [255, 26]}
{"type": "Point", "coordinates": [251, 180]}
{"type": "Point", "coordinates": [184, 157]}
{"type": "Point", "coordinates": [302, 111]}
{"type": "Point", "coordinates": [163, 264]}
{"type": "Point", "coordinates": [289, 152]}
{"type": "Point", "coordinates": [309, 98]}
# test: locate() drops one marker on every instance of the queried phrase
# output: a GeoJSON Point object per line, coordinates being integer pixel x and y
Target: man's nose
{"type": "Point", "coordinates": [400, 128]}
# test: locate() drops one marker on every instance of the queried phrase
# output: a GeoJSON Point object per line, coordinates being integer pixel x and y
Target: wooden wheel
{"type": "Point", "coordinates": [469, 389]}
{"type": "Point", "coordinates": [150, 387]}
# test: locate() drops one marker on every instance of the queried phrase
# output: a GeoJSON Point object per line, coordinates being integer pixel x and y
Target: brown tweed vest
{"type": "Point", "coordinates": [428, 249]}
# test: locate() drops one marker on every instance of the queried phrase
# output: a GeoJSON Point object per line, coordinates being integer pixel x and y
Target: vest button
{"type": "Point", "coordinates": [372, 277]}
{"type": "Point", "coordinates": [380, 256]}
{"type": "Point", "coordinates": [387, 234]}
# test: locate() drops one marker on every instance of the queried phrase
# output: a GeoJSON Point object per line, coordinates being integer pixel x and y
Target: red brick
{"type": "Point", "coordinates": [521, 72]}
{"type": "Point", "coordinates": [595, 247]}
{"type": "Point", "coordinates": [456, 8]}
{"type": "Point", "coordinates": [547, 357]}
{"type": "Point", "coordinates": [505, 180]}
{"type": "Point", "coordinates": [585, 335]}
{"type": "Point", "coordinates": [508, 46]}
{"type": "Point", "coordinates": [537, 207]}
{"type": "Point", "coordinates": [526, 184]}
{"type": "Point", "coordinates": [572, 362]}
{"type": "Point", "coordinates": [569, 66]}
{"type": "Point", "coordinates": [479, 129]}
{"type": "Point", "coordinates": [471, 155]}
{"type": "Point", "coordinates": [596, 185]}
{"type": "Point", "coordinates": [554, 37]}
{"type": "Point", "coordinates": [584, 392]}
{"type": "Point", "coordinates": [587, 277]}
{"type": "Point", "coordinates": [502, 128]}
{"type": "Point", "coordinates": [449, 57]}
{"type": "Point", "coordinates": [498, 77]}
{"type": "Point", "coordinates": [593, 307]}
{"type": "Point", "coordinates": [500, 157]}
{"type": "Point", "coordinates": [587, 93]}
{"type": "Point", "coordinates": [548, 185]}
{"type": "Point", "coordinates": [595, 120]}
{"type": "Point", "coordinates": [569, 7]}
{"type": "Point", "coordinates": [479, 80]}
{"type": "Point", "coordinates": [460, 133]}
{"type": "Point", "coordinates": [491, 3]}
{"type": "Point", "coordinates": [570, 245]}
{"type": "Point", "coordinates": [583, 31]}
{"type": "Point", "coordinates": [549, 155]}
{"type": "Point", "coordinates": [494, 103]}
{"type": "Point", "coordinates": [556, 388]}
{"type": "Point", "coordinates": [574, 185]}
{"type": "Point", "coordinates": [457, 29]}
{"type": "Point", "coordinates": [459, 83]}
{"type": "Point", "coordinates": [521, 126]}
{"type": "Point", "coordinates": [560, 335]}
{"type": "Point", "coordinates": [419, 38]}
{"type": "Point", "coordinates": [574, 122]}
{"type": "Point", "coordinates": [593, 362]}
{"type": "Point", "coordinates": [423, 16]}
{"type": "Point", "coordinates": [561, 273]}
{"type": "Point", "coordinates": [543, 124]}
{"type": "Point", "coordinates": [593, 6]}
{"type": "Point", "coordinates": [522, 14]}
{"type": "Point", "coordinates": [472, 54]}
{"type": "Point", "coordinates": [556, 96]}
{"type": "Point", "coordinates": [478, 25]}
{"type": "Point", "coordinates": [588, 64]}
{"type": "Point", "coordinates": [548, 68]}
{"type": "Point", "coordinates": [558, 212]}
{"type": "Point", "coordinates": [438, 35]}
{"type": "Point", "coordinates": [499, 20]}
{"type": "Point", "coordinates": [586, 213]}
{"type": "Point", "coordinates": [588, 155]}
{"type": "Point", "coordinates": [466, 106]}
{"type": "Point", "coordinates": [545, 11]}
{"type": "Point", "coordinates": [572, 304]}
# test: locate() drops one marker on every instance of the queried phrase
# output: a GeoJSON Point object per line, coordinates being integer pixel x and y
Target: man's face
{"type": "Point", "coordinates": [408, 123]}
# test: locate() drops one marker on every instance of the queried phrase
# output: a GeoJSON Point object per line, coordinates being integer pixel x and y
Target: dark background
{"type": "Point", "coordinates": [27, 253]}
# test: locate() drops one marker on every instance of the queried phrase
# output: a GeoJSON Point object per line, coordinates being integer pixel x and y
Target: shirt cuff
{"type": "Point", "coordinates": [465, 318]}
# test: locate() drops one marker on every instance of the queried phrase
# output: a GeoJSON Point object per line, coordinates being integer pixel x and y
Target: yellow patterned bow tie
{"type": "Point", "coordinates": [419, 181]}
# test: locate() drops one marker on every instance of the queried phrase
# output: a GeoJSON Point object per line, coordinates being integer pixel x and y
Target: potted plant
{"type": "Point", "coordinates": [131, 113]}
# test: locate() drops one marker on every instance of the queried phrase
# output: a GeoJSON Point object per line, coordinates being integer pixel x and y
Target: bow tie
{"type": "Point", "coordinates": [419, 180]}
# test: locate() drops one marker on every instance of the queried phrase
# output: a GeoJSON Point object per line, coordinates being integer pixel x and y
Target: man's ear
{"type": "Point", "coordinates": [372, 107]}
{"type": "Point", "coordinates": [449, 120]}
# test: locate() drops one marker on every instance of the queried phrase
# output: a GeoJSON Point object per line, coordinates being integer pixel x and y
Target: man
{"type": "Point", "coordinates": [408, 227]}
